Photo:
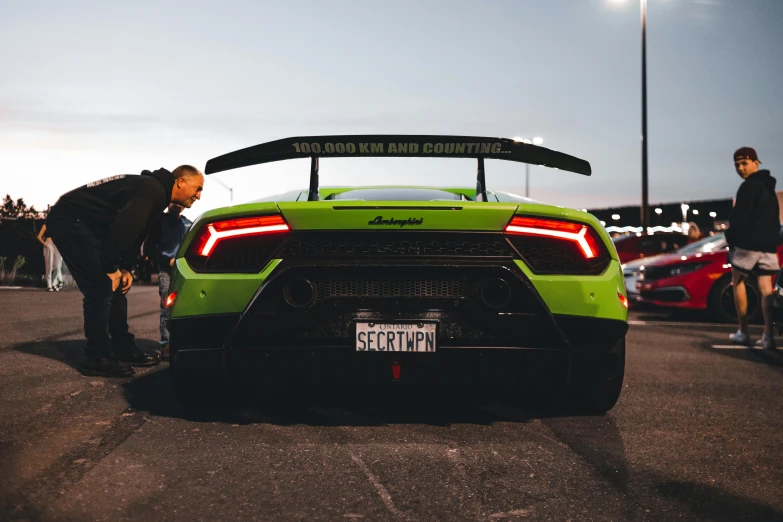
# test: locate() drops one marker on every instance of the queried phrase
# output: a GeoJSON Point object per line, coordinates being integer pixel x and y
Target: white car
{"type": "Point", "coordinates": [631, 271]}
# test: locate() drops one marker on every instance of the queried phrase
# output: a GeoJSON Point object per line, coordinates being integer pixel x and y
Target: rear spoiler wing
{"type": "Point", "coordinates": [398, 146]}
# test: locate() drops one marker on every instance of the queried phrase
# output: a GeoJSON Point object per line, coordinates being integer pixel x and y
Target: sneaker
{"type": "Point", "coordinates": [767, 342]}
{"type": "Point", "coordinates": [50, 289]}
{"type": "Point", "coordinates": [739, 337]}
{"type": "Point", "coordinates": [135, 357]}
{"type": "Point", "coordinates": [164, 353]}
{"type": "Point", "coordinates": [105, 367]}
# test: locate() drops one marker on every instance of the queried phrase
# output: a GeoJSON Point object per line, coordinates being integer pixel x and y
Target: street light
{"type": "Point", "coordinates": [535, 141]}
{"type": "Point", "coordinates": [713, 214]}
{"type": "Point", "coordinates": [645, 210]}
{"type": "Point", "coordinates": [684, 207]}
{"type": "Point", "coordinates": [230, 190]}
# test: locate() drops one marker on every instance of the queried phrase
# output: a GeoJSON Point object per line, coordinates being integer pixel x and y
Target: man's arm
{"type": "Point", "coordinates": [40, 235]}
{"type": "Point", "coordinates": [124, 232]}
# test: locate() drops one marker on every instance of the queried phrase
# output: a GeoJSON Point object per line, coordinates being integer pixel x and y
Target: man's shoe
{"type": "Point", "coordinates": [766, 343]}
{"type": "Point", "coordinates": [135, 357]}
{"type": "Point", "coordinates": [739, 337]}
{"type": "Point", "coordinates": [164, 353]}
{"type": "Point", "coordinates": [105, 367]}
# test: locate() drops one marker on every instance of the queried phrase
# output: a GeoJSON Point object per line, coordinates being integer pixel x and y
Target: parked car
{"type": "Point", "coordinates": [697, 276]}
{"type": "Point", "coordinates": [777, 303]}
{"type": "Point", "coordinates": [640, 246]}
{"type": "Point", "coordinates": [426, 285]}
{"type": "Point", "coordinates": [631, 272]}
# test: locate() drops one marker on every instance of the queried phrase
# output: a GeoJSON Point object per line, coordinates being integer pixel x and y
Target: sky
{"type": "Point", "coordinates": [93, 89]}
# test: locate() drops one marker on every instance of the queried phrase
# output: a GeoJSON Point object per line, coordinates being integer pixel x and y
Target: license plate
{"type": "Point", "coordinates": [396, 337]}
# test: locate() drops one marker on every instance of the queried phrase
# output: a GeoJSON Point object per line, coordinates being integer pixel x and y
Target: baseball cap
{"type": "Point", "coordinates": [746, 153]}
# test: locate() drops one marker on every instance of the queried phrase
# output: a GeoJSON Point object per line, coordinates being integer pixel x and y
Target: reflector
{"type": "Point", "coordinates": [170, 299]}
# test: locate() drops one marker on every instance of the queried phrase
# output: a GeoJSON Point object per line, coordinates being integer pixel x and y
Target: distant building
{"type": "Point", "coordinates": [710, 214]}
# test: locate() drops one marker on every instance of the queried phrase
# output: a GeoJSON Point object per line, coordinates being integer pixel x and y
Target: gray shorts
{"type": "Point", "coordinates": [750, 262]}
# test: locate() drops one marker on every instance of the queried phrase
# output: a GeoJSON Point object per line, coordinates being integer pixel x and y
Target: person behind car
{"type": "Point", "coordinates": [694, 234]}
{"type": "Point", "coordinates": [98, 229]}
{"type": "Point", "coordinates": [753, 235]}
{"type": "Point", "coordinates": [161, 246]}
{"type": "Point", "coordinates": [53, 261]}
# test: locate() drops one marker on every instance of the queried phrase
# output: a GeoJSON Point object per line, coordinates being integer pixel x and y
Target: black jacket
{"type": "Point", "coordinates": [164, 240]}
{"type": "Point", "coordinates": [120, 210]}
{"type": "Point", "coordinates": [755, 219]}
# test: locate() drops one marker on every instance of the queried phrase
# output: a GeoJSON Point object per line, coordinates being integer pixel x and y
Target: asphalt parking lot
{"type": "Point", "coordinates": [696, 436]}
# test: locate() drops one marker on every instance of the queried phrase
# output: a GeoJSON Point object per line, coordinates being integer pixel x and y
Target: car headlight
{"type": "Point", "coordinates": [686, 268]}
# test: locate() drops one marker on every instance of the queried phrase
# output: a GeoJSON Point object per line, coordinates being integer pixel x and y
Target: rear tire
{"type": "Point", "coordinates": [596, 381]}
{"type": "Point", "coordinates": [720, 301]}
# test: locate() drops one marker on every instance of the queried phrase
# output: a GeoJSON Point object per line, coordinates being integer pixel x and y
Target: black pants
{"type": "Point", "coordinates": [105, 312]}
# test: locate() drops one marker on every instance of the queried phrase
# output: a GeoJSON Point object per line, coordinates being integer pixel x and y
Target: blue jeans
{"type": "Point", "coordinates": [164, 280]}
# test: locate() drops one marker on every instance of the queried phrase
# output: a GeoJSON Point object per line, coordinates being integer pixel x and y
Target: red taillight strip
{"type": "Point", "coordinates": [240, 227]}
{"type": "Point", "coordinates": [552, 228]}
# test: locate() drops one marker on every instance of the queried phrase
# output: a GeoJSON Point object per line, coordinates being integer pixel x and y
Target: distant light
{"type": "Point", "coordinates": [538, 140]}
{"type": "Point", "coordinates": [684, 258]}
{"type": "Point", "coordinates": [659, 211]}
{"type": "Point", "coordinates": [615, 216]}
{"type": "Point", "coordinates": [695, 212]}
{"type": "Point", "coordinates": [713, 214]}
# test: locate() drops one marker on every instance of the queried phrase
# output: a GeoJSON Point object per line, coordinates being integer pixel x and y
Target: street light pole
{"type": "Point", "coordinates": [645, 217]}
{"type": "Point", "coordinates": [230, 190]}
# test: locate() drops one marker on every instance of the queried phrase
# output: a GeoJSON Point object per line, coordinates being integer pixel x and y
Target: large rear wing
{"type": "Point", "coordinates": [400, 146]}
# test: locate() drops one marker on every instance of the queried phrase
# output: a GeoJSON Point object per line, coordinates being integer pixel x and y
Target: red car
{"type": "Point", "coordinates": [697, 276]}
{"type": "Point", "coordinates": [635, 246]}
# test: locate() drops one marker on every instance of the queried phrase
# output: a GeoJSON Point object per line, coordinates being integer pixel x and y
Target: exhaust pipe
{"type": "Point", "coordinates": [300, 293]}
{"type": "Point", "coordinates": [495, 293]}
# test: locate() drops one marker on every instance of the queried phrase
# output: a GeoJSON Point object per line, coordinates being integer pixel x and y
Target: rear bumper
{"type": "Point", "coordinates": [204, 343]}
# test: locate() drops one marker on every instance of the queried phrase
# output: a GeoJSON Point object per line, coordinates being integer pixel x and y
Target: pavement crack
{"type": "Point", "coordinates": [382, 491]}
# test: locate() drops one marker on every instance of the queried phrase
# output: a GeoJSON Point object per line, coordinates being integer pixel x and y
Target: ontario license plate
{"type": "Point", "coordinates": [396, 337]}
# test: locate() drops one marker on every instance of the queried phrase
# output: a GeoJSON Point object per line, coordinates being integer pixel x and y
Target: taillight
{"type": "Point", "coordinates": [216, 232]}
{"type": "Point", "coordinates": [554, 246]}
{"type": "Point", "coordinates": [577, 233]}
{"type": "Point", "coordinates": [170, 299]}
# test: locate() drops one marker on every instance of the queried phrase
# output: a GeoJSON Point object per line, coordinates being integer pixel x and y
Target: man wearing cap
{"type": "Point", "coordinates": [753, 237]}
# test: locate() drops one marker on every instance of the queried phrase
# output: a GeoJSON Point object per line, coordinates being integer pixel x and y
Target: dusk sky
{"type": "Point", "coordinates": [93, 89]}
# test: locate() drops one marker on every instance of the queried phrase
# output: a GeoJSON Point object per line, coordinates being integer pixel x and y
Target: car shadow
{"type": "Point", "coordinates": [336, 405]}
{"type": "Point", "coordinates": [706, 502]}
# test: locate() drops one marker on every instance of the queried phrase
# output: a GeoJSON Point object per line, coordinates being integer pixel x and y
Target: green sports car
{"type": "Point", "coordinates": [441, 286]}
